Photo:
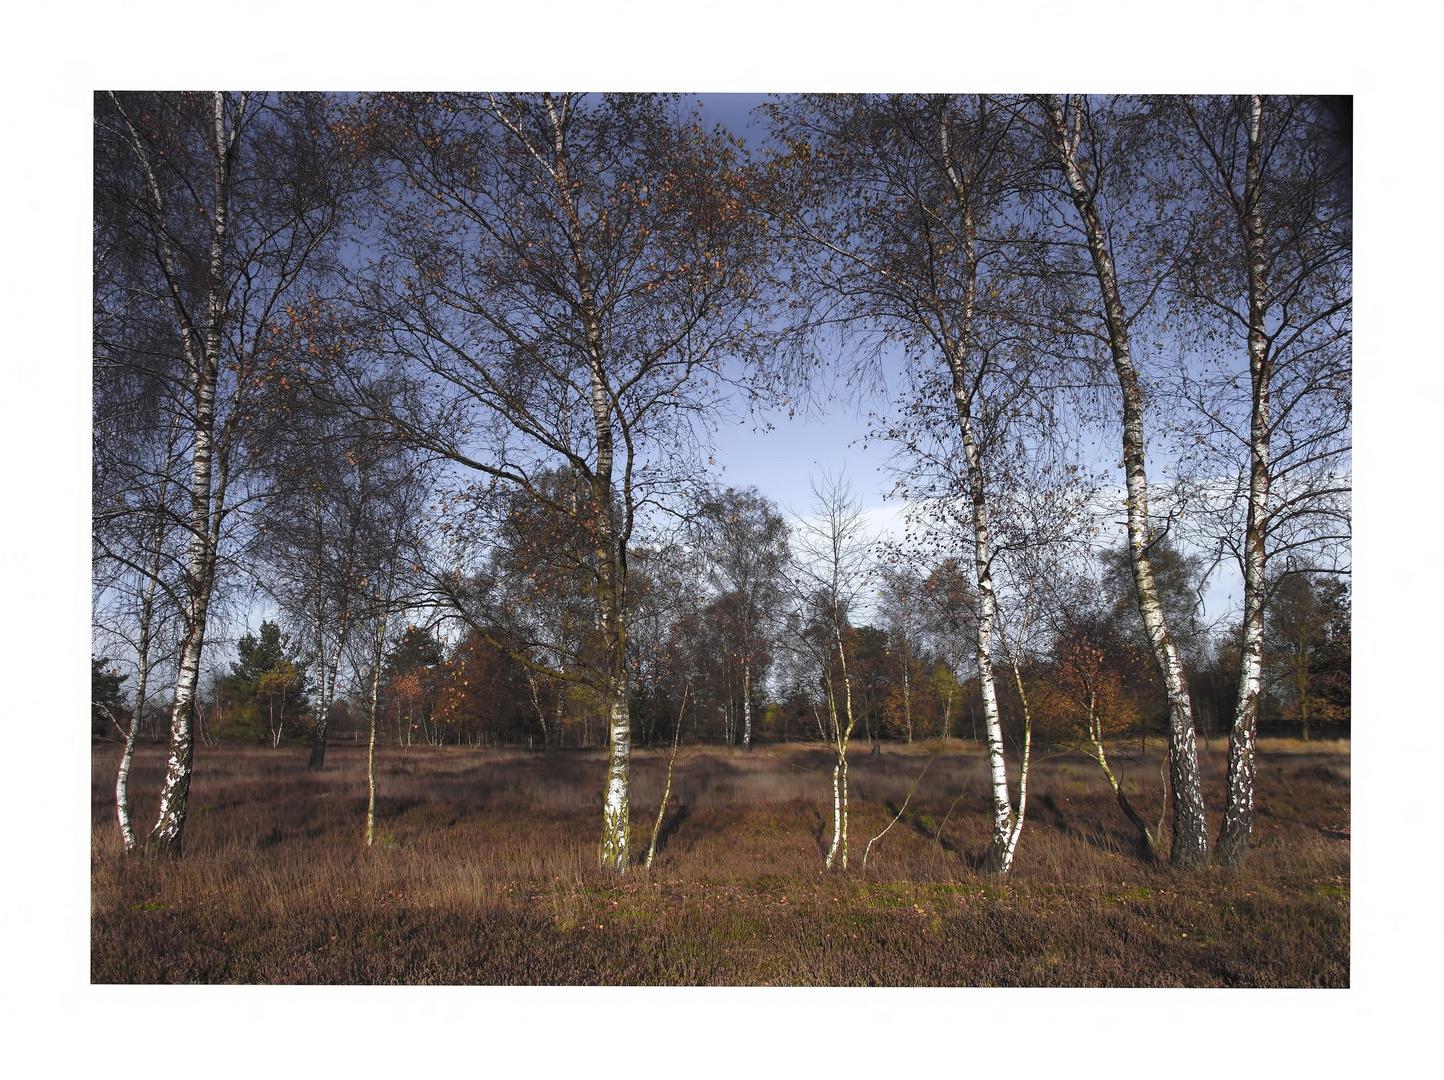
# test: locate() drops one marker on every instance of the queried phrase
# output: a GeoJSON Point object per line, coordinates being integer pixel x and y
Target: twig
{"type": "Point", "coordinates": [938, 836]}
{"type": "Point", "coordinates": [900, 812]}
{"type": "Point", "coordinates": [113, 720]}
{"type": "Point", "coordinates": [667, 791]}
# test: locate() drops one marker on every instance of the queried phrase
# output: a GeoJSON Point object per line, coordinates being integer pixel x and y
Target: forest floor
{"type": "Point", "coordinates": [484, 871]}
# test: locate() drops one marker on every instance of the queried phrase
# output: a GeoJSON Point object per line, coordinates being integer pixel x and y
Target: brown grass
{"type": "Point", "coordinates": [485, 873]}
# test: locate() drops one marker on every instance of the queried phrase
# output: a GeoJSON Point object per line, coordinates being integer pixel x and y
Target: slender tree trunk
{"type": "Point", "coordinates": [1190, 835]}
{"type": "Point", "coordinates": [1145, 836]}
{"type": "Point", "coordinates": [845, 734]}
{"type": "Point", "coordinates": [667, 789]}
{"type": "Point", "coordinates": [836, 854]}
{"type": "Point", "coordinates": [997, 859]}
{"type": "Point", "coordinates": [611, 541]}
{"type": "Point", "coordinates": [317, 760]}
{"type": "Point", "coordinates": [1095, 738]}
{"type": "Point", "coordinates": [1234, 837]}
{"type": "Point", "coordinates": [836, 814]}
{"type": "Point", "coordinates": [371, 739]}
{"type": "Point", "coordinates": [531, 682]}
{"type": "Point", "coordinates": [122, 784]}
{"type": "Point", "coordinates": [907, 693]}
{"type": "Point", "coordinates": [142, 664]}
{"type": "Point", "coordinates": [746, 706]}
{"type": "Point", "coordinates": [1017, 828]}
{"type": "Point", "coordinates": [205, 510]}
{"type": "Point", "coordinates": [142, 652]}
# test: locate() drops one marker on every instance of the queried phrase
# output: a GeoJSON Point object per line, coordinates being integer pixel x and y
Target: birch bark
{"type": "Point", "coordinates": [667, 788]}
{"type": "Point", "coordinates": [1190, 837]}
{"type": "Point", "coordinates": [371, 738]}
{"type": "Point", "coordinates": [1233, 840]}
{"type": "Point", "coordinates": [224, 251]}
{"type": "Point", "coordinates": [746, 705]}
{"type": "Point", "coordinates": [142, 657]}
{"type": "Point", "coordinates": [206, 503]}
{"type": "Point", "coordinates": [998, 857]}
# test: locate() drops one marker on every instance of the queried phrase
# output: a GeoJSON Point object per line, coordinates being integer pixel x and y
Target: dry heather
{"type": "Point", "coordinates": [484, 872]}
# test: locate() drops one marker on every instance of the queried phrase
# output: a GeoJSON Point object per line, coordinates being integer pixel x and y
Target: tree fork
{"type": "Point", "coordinates": [1233, 840]}
{"type": "Point", "coordinates": [1190, 848]}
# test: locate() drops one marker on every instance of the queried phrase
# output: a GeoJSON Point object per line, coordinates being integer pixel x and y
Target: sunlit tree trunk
{"type": "Point", "coordinates": [371, 738]}
{"type": "Point", "coordinates": [142, 661]}
{"type": "Point", "coordinates": [1149, 840]}
{"type": "Point", "coordinates": [1018, 819]}
{"type": "Point", "coordinates": [842, 727]}
{"type": "Point", "coordinates": [667, 788]}
{"type": "Point", "coordinates": [205, 500]}
{"type": "Point", "coordinates": [1233, 840]}
{"type": "Point", "coordinates": [746, 706]}
{"type": "Point", "coordinates": [327, 692]}
{"type": "Point", "coordinates": [610, 540]}
{"type": "Point", "coordinates": [1190, 837]}
{"type": "Point", "coordinates": [907, 692]}
{"type": "Point", "coordinates": [998, 857]}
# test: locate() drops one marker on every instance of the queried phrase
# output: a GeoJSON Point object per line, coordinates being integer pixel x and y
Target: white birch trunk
{"type": "Point", "coordinates": [667, 789]}
{"type": "Point", "coordinates": [746, 706]}
{"type": "Point", "coordinates": [142, 652]}
{"type": "Point", "coordinates": [1233, 840]}
{"type": "Point", "coordinates": [844, 734]}
{"type": "Point", "coordinates": [616, 819]}
{"type": "Point", "coordinates": [1190, 835]}
{"type": "Point", "coordinates": [997, 859]}
{"type": "Point", "coordinates": [1017, 829]}
{"type": "Point", "coordinates": [907, 691]}
{"type": "Point", "coordinates": [610, 543]}
{"type": "Point", "coordinates": [371, 739]}
{"type": "Point", "coordinates": [836, 814]}
{"type": "Point", "coordinates": [206, 503]}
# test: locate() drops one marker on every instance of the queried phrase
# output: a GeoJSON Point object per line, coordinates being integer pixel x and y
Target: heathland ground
{"type": "Point", "coordinates": [485, 871]}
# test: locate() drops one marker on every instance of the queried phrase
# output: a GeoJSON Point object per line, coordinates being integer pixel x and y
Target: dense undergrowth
{"type": "Point", "coordinates": [484, 872]}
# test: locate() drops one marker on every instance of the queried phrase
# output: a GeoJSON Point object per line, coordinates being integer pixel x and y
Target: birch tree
{"type": "Point", "coordinates": [1269, 281]}
{"type": "Point", "coordinates": [744, 540]}
{"type": "Point", "coordinates": [906, 216]}
{"type": "Point", "coordinates": [230, 197]}
{"type": "Point", "coordinates": [564, 275]}
{"type": "Point", "coordinates": [310, 547]}
{"type": "Point", "coordinates": [948, 608]}
{"type": "Point", "coordinates": [829, 577]}
{"type": "Point", "coordinates": [389, 541]}
{"type": "Point", "coordinates": [1088, 145]}
{"type": "Point", "coordinates": [133, 530]}
{"type": "Point", "coordinates": [899, 594]}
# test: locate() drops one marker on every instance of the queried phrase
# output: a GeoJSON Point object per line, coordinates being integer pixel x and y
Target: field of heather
{"type": "Point", "coordinates": [484, 872]}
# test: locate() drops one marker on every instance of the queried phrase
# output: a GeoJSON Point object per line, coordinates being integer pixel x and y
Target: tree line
{"type": "Point", "coordinates": [437, 375]}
